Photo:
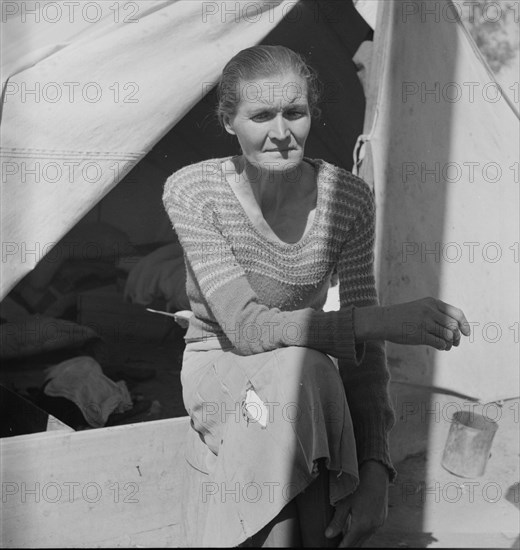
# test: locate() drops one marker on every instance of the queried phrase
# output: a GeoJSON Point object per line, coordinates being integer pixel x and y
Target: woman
{"type": "Point", "coordinates": [299, 445]}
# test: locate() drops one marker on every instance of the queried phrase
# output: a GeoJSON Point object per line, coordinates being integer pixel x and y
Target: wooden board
{"type": "Point", "coordinates": [111, 487]}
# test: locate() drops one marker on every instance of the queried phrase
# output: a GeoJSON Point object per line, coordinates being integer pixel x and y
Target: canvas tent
{"type": "Point", "coordinates": [183, 34]}
{"type": "Point", "coordinates": [445, 167]}
{"type": "Point", "coordinates": [89, 94]}
{"type": "Point", "coordinates": [101, 105]}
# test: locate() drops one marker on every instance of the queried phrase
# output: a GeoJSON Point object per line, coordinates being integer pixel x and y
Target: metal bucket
{"type": "Point", "coordinates": [466, 452]}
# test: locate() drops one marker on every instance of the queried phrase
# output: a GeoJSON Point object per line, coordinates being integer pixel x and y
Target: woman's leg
{"type": "Point", "coordinates": [315, 512]}
{"type": "Point", "coordinates": [308, 381]}
{"type": "Point", "coordinates": [302, 523]}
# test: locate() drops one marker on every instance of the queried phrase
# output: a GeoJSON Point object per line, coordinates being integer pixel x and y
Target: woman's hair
{"type": "Point", "coordinates": [263, 61]}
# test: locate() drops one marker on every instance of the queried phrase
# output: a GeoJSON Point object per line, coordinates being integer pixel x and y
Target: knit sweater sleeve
{"type": "Point", "coordinates": [225, 288]}
{"type": "Point", "coordinates": [366, 385]}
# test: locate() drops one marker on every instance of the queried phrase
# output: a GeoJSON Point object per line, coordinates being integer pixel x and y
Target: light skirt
{"type": "Point", "coordinates": [259, 425]}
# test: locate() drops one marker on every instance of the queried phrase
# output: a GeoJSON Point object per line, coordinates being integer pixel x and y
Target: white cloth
{"type": "Point", "coordinates": [82, 381]}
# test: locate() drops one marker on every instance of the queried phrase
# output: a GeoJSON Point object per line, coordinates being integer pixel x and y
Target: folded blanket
{"type": "Point", "coordinates": [34, 334]}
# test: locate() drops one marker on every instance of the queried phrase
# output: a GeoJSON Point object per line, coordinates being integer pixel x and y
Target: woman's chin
{"type": "Point", "coordinates": [278, 161]}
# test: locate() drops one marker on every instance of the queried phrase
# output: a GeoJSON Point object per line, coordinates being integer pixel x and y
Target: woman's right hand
{"type": "Point", "coordinates": [427, 321]}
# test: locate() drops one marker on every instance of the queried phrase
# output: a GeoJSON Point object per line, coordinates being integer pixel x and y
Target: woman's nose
{"type": "Point", "coordinates": [279, 129]}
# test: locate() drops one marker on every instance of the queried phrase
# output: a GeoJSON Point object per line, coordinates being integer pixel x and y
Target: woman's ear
{"type": "Point", "coordinates": [228, 125]}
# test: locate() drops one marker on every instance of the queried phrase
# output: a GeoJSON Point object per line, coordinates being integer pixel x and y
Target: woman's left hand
{"type": "Point", "coordinates": [361, 514]}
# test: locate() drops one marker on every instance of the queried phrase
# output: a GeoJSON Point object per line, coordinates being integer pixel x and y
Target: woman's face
{"type": "Point", "coordinates": [272, 121]}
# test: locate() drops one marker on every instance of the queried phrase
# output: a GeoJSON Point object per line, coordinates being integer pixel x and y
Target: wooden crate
{"type": "Point", "coordinates": [111, 487]}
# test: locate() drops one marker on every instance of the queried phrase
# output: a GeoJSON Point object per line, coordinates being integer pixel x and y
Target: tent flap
{"type": "Point", "coordinates": [77, 119]}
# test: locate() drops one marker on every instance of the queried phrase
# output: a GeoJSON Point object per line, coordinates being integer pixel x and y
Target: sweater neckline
{"type": "Point", "coordinates": [269, 235]}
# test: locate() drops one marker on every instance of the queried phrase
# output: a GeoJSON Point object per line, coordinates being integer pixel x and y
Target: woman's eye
{"type": "Point", "coordinates": [295, 114]}
{"type": "Point", "coordinates": [261, 117]}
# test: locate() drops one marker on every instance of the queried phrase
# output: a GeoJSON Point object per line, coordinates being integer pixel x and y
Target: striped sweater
{"type": "Point", "coordinates": [256, 294]}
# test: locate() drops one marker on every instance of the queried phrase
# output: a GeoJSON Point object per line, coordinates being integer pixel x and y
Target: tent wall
{"type": "Point", "coordinates": [447, 196]}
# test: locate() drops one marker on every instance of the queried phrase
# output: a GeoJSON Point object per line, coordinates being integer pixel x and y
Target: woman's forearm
{"type": "Point", "coordinates": [368, 323]}
{"type": "Point", "coordinates": [427, 321]}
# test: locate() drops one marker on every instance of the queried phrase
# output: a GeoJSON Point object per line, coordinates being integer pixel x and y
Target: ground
{"type": "Point", "coordinates": [430, 507]}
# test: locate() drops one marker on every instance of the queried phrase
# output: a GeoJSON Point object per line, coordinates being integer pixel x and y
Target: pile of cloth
{"type": "Point", "coordinates": [81, 381]}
